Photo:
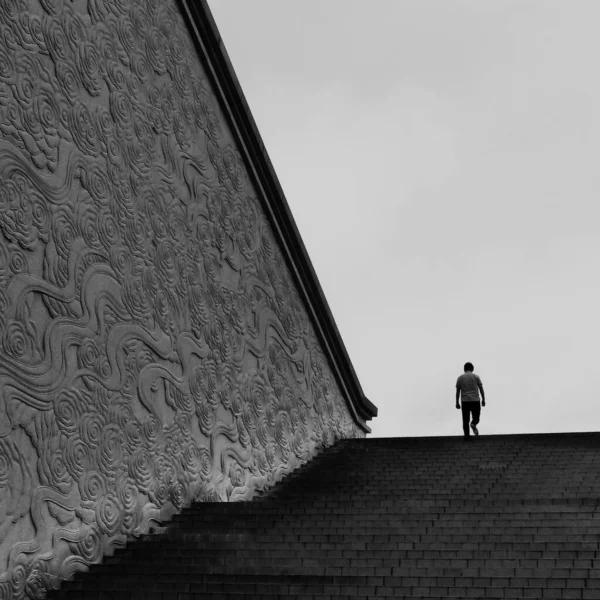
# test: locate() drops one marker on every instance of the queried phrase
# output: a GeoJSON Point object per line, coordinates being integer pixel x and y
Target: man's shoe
{"type": "Point", "coordinates": [474, 428]}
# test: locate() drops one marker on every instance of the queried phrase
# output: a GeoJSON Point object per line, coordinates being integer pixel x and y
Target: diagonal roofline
{"type": "Point", "coordinates": [211, 50]}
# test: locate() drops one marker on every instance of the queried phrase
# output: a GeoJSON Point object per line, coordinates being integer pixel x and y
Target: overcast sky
{"type": "Point", "coordinates": [440, 158]}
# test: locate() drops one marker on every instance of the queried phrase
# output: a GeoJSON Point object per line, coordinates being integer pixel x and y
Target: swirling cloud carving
{"type": "Point", "coordinates": [153, 347]}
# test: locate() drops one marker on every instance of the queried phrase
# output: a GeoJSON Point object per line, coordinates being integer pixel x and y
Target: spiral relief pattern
{"type": "Point", "coordinates": [153, 348]}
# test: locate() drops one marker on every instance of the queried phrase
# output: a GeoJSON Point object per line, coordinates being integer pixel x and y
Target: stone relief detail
{"type": "Point", "coordinates": [153, 347]}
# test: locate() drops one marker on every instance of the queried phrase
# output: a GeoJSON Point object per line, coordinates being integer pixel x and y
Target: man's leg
{"type": "Point", "coordinates": [465, 418]}
{"type": "Point", "coordinates": [475, 411]}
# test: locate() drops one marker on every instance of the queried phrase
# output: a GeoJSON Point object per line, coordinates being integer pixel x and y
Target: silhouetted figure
{"type": "Point", "coordinates": [468, 386]}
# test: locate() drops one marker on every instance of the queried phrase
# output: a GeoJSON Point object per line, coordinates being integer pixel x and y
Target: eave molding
{"type": "Point", "coordinates": [211, 50]}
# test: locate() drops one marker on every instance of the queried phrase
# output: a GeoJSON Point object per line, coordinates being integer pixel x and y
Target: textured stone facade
{"type": "Point", "coordinates": [153, 347]}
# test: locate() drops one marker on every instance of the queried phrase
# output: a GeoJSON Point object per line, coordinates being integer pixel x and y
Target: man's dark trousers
{"type": "Point", "coordinates": [470, 408]}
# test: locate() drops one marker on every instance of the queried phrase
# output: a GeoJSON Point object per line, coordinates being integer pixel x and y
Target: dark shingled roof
{"type": "Point", "coordinates": [506, 516]}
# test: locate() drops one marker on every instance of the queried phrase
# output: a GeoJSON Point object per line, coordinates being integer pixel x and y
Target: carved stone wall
{"type": "Point", "coordinates": [153, 348]}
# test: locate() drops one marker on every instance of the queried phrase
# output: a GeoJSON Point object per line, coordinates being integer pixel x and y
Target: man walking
{"type": "Point", "coordinates": [468, 386]}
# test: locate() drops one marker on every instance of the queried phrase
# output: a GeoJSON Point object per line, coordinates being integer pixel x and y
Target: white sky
{"type": "Point", "coordinates": [440, 159]}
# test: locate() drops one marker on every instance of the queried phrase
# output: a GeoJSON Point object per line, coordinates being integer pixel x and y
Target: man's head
{"type": "Point", "coordinates": [469, 367]}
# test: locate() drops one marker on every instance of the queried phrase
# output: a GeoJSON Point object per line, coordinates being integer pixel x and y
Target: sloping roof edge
{"type": "Point", "coordinates": [211, 50]}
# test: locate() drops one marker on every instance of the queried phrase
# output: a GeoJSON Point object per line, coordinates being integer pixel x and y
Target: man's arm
{"type": "Point", "coordinates": [457, 397]}
{"type": "Point", "coordinates": [482, 394]}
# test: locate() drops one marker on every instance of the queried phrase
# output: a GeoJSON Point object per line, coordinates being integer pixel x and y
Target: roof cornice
{"type": "Point", "coordinates": [211, 50]}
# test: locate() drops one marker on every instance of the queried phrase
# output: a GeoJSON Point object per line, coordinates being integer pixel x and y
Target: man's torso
{"type": "Point", "coordinates": [468, 384]}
